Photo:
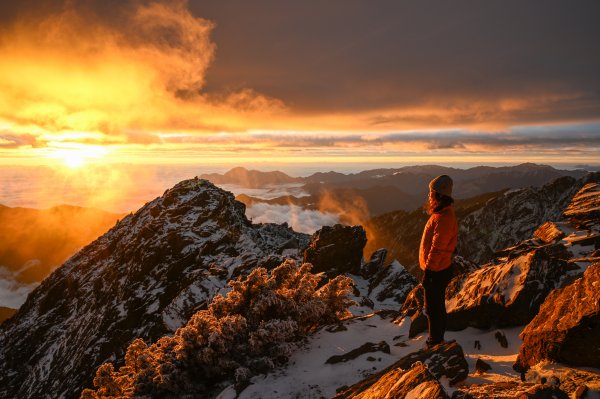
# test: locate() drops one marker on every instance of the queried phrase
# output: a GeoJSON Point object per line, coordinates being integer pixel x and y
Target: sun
{"type": "Point", "coordinates": [76, 157]}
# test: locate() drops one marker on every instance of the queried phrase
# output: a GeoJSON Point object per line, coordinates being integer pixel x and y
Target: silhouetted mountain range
{"type": "Point", "coordinates": [385, 190]}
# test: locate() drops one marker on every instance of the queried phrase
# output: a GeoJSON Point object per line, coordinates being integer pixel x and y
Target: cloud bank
{"type": "Point", "coordinates": [299, 219]}
{"type": "Point", "coordinates": [12, 292]}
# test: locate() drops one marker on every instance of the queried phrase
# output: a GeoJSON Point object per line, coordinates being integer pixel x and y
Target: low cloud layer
{"type": "Point", "coordinates": [268, 192]}
{"type": "Point", "coordinates": [299, 219]}
{"type": "Point", "coordinates": [12, 292]}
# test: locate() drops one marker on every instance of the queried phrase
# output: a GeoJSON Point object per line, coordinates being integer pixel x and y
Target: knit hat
{"type": "Point", "coordinates": [442, 184]}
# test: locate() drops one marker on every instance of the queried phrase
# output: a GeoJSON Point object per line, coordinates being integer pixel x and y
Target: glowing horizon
{"type": "Point", "coordinates": [147, 83]}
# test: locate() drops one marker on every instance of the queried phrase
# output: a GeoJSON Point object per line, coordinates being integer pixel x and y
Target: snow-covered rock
{"type": "Point", "coordinates": [567, 327]}
{"type": "Point", "coordinates": [142, 279]}
{"type": "Point", "coordinates": [391, 285]}
{"type": "Point", "coordinates": [505, 294]}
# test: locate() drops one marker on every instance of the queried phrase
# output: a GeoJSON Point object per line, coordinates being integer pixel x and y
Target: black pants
{"type": "Point", "coordinates": [435, 284]}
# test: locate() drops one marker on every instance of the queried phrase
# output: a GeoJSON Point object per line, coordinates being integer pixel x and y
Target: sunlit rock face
{"type": "Point", "coordinates": [142, 279]}
{"type": "Point", "coordinates": [567, 327]}
{"type": "Point", "coordinates": [416, 382]}
{"type": "Point", "coordinates": [584, 210]}
{"type": "Point", "coordinates": [505, 294]}
{"type": "Point", "coordinates": [417, 372]}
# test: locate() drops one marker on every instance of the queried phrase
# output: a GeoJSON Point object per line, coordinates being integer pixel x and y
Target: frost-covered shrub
{"type": "Point", "coordinates": [252, 329]}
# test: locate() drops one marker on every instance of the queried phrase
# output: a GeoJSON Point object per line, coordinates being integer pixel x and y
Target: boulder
{"type": "Point", "coordinates": [567, 327]}
{"type": "Point", "coordinates": [505, 294]}
{"type": "Point", "coordinates": [336, 250]}
{"type": "Point", "coordinates": [548, 232]}
{"type": "Point", "coordinates": [415, 383]}
{"type": "Point", "coordinates": [482, 366]}
{"type": "Point", "coordinates": [446, 359]}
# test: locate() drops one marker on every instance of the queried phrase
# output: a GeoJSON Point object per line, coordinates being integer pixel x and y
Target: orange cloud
{"type": "Point", "coordinates": [71, 72]}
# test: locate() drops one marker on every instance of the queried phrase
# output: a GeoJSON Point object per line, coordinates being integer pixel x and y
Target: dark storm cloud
{"type": "Point", "coordinates": [542, 137]}
{"type": "Point", "coordinates": [495, 62]}
{"type": "Point", "coordinates": [356, 55]}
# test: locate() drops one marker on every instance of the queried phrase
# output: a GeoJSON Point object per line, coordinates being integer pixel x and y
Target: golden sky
{"type": "Point", "coordinates": [178, 81]}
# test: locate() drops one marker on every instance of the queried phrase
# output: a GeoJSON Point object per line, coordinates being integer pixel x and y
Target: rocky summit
{"type": "Point", "coordinates": [144, 278]}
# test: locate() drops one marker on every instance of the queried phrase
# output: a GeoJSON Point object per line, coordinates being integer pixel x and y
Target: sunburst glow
{"type": "Point", "coordinates": [75, 157]}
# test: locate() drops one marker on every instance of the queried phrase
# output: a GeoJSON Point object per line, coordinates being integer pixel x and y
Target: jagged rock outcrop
{"type": "Point", "coordinates": [505, 294]}
{"type": "Point", "coordinates": [391, 285]}
{"type": "Point", "coordinates": [584, 211]}
{"type": "Point", "coordinates": [375, 264]}
{"type": "Point", "coordinates": [446, 359]}
{"type": "Point", "coordinates": [510, 390]}
{"type": "Point", "coordinates": [381, 284]}
{"type": "Point", "coordinates": [462, 266]}
{"type": "Point", "coordinates": [142, 279]}
{"type": "Point", "coordinates": [487, 223]}
{"type": "Point", "coordinates": [509, 290]}
{"type": "Point", "coordinates": [336, 250]}
{"type": "Point", "coordinates": [513, 217]}
{"type": "Point", "coordinates": [415, 383]}
{"type": "Point", "coordinates": [567, 327]}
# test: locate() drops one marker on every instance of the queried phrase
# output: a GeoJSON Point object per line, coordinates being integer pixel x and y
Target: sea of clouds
{"type": "Point", "coordinates": [12, 292]}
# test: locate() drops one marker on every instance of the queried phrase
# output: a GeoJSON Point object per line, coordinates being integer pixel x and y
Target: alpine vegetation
{"type": "Point", "coordinates": [252, 329]}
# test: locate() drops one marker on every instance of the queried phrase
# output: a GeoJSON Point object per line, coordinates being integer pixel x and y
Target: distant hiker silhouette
{"type": "Point", "coordinates": [435, 254]}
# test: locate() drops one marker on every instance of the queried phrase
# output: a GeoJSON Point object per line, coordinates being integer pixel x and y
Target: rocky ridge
{"type": "Point", "coordinates": [142, 279]}
{"type": "Point", "coordinates": [487, 223]}
{"type": "Point", "coordinates": [146, 276]}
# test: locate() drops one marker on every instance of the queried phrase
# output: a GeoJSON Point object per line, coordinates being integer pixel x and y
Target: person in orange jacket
{"type": "Point", "coordinates": [435, 254]}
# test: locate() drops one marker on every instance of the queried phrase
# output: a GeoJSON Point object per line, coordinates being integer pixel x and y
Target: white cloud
{"type": "Point", "coordinates": [268, 192]}
{"type": "Point", "coordinates": [302, 220]}
{"type": "Point", "coordinates": [12, 292]}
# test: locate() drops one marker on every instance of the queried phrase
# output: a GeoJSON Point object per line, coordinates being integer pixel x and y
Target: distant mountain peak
{"type": "Point", "coordinates": [251, 178]}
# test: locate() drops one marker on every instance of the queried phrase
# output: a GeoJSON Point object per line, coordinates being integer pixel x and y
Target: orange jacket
{"type": "Point", "coordinates": [439, 240]}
